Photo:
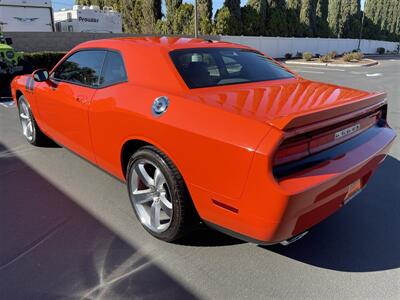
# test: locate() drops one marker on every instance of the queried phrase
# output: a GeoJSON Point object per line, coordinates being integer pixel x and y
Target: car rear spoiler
{"type": "Point", "coordinates": [336, 113]}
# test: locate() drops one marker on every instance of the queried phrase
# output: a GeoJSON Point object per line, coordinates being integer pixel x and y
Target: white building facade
{"type": "Point", "coordinates": [26, 16]}
{"type": "Point", "coordinates": [88, 19]}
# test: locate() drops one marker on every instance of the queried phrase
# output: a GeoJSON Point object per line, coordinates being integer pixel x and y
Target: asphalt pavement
{"type": "Point", "coordinates": [67, 231]}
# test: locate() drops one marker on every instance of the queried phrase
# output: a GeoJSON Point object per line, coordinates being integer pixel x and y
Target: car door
{"type": "Point", "coordinates": [64, 102]}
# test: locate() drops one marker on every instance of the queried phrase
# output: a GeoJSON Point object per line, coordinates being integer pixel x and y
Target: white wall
{"type": "Point", "coordinates": [279, 46]}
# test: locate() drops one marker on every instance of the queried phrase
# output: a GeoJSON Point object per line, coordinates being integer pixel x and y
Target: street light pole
{"type": "Point", "coordinates": [361, 31]}
{"type": "Point", "coordinates": [196, 34]}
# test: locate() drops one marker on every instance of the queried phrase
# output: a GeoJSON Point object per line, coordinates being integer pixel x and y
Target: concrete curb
{"type": "Point", "coordinates": [350, 65]}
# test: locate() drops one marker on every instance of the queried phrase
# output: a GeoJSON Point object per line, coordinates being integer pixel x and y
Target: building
{"type": "Point", "coordinates": [26, 15]}
{"type": "Point", "coordinates": [88, 19]}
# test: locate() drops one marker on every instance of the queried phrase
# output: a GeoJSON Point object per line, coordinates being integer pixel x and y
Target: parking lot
{"type": "Point", "coordinates": [67, 231]}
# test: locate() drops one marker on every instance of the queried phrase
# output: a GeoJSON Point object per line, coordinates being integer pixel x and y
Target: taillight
{"type": "Point", "coordinates": [291, 152]}
{"type": "Point", "coordinates": [298, 147]}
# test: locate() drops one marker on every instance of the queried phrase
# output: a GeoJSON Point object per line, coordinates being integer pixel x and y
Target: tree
{"type": "Point", "coordinates": [349, 19]}
{"type": "Point", "coordinates": [172, 6]}
{"type": "Point", "coordinates": [308, 17]}
{"type": "Point", "coordinates": [254, 17]}
{"type": "Point", "coordinates": [294, 4]}
{"type": "Point", "coordinates": [101, 3]}
{"type": "Point", "coordinates": [260, 7]}
{"type": "Point", "coordinates": [382, 19]}
{"type": "Point", "coordinates": [322, 26]}
{"type": "Point", "coordinates": [235, 14]}
{"type": "Point", "coordinates": [277, 19]}
{"type": "Point", "coordinates": [334, 8]}
{"type": "Point", "coordinates": [131, 15]}
{"type": "Point", "coordinates": [183, 22]}
{"type": "Point", "coordinates": [204, 8]}
{"type": "Point", "coordinates": [151, 10]}
{"type": "Point", "coordinates": [223, 21]}
{"type": "Point", "coordinates": [251, 21]}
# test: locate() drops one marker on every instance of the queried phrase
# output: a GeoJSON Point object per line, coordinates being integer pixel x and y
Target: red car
{"type": "Point", "coordinates": [211, 131]}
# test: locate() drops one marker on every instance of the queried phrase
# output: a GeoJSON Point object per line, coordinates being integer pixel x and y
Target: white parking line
{"type": "Point", "coordinates": [325, 69]}
{"type": "Point", "coordinates": [313, 72]}
{"type": "Point", "coordinates": [7, 104]}
{"type": "Point", "coordinates": [374, 75]}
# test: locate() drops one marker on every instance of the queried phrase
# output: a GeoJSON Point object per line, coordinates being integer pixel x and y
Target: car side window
{"type": "Point", "coordinates": [83, 67]}
{"type": "Point", "coordinates": [113, 70]}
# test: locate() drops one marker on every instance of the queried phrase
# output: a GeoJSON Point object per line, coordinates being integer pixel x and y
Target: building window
{"type": "Point", "coordinates": [69, 17]}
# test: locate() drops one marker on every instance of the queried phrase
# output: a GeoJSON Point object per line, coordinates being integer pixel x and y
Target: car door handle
{"type": "Point", "coordinates": [82, 99]}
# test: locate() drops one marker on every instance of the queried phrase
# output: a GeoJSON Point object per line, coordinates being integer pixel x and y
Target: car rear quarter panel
{"type": "Point", "coordinates": [212, 149]}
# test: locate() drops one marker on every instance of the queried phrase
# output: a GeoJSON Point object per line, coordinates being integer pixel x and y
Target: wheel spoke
{"type": "Point", "coordinates": [155, 215]}
{"type": "Point", "coordinates": [159, 178]}
{"type": "Point", "coordinates": [143, 196]}
{"type": "Point", "coordinates": [143, 175]}
{"type": "Point", "coordinates": [25, 109]}
{"type": "Point", "coordinates": [25, 130]}
{"type": "Point", "coordinates": [23, 116]}
{"type": "Point", "coordinates": [29, 126]}
{"type": "Point", "coordinates": [166, 205]}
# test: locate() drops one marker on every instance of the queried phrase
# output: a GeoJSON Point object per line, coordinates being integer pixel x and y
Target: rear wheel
{"type": "Point", "coordinates": [30, 130]}
{"type": "Point", "coordinates": [159, 195]}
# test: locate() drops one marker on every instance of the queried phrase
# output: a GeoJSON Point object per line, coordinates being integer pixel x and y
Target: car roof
{"type": "Point", "coordinates": [167, 43]}
{"type": "Point", "coordinates": [146, 58]}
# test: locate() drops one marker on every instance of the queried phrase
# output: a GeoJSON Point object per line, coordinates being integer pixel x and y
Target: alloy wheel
{"type": "Point", "coordinates": [26, 120]}
{"type": "Point", "coordinates": [151, 196]}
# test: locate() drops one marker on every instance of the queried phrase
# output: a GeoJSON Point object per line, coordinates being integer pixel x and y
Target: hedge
{"type": "Point", "coordinates": [43, 60]}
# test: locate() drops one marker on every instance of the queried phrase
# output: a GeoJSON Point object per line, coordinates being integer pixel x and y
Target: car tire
{"type": "Point", "coordinates": [147, 169]}
{"type": "Point", "coordinates": [30, 129]}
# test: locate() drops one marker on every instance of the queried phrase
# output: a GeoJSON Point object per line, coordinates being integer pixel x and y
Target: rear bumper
{"type": "Point", "coordinates": [272, 210]}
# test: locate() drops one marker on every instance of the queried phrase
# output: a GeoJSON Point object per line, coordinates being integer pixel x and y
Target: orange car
{"type": "Point", "coordinates": [211, 131]}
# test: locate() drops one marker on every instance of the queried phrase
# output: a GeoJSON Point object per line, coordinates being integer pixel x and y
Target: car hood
{"type": "Point", "coordinates": [280, 102]}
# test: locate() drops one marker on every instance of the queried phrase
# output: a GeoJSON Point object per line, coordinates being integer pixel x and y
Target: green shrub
{"type": "Point", "coordinates": [43, 60]}
{"type": "Point", "coordinates": [288, 55]}
{"type": "Point", "coordinates": [325, 58]}
{"type": "Point", "coordinates": [332, 54]}
{"type": "Point", "coordinates": [307, 56]}
{"type": "Point", "coordinates": [299, 54]}
{"type": "Point", "coordinates": [358, 56]}
{"type": "Point", "coordinates": [380, 50]}
{"type": "Point", "coordinates": [348, 57]}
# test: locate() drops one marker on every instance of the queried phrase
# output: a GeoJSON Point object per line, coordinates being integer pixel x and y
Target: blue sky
{"type": "Point", "coordinates": [58, 4]}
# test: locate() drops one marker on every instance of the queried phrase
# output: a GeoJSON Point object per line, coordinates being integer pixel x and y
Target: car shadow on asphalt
{"type": "Point", "coordinates": [361, 237]}
{"type": "Point", "coordinates": [50, 248]}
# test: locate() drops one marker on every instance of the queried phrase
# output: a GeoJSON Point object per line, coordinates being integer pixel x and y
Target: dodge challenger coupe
{"type": "Point", "coordinates": [206, 131]}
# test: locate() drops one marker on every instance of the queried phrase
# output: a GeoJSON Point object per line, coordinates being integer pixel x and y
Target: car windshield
{"type": "Point", "coordinates": [206, 67]}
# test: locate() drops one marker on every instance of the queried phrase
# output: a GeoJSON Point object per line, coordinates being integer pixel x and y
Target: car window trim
{"type": "Point", "coordinates": [98, 87]}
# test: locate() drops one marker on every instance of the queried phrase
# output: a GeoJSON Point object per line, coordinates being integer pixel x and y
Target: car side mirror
{"type": "Point", "coordinates": [41, 75]}
{"type": "Point", "coordinates": [9, 41]}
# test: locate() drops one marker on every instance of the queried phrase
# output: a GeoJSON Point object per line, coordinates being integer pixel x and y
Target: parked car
{"type": "Point", "coordinates": [211, 131]}
{"type": "Point", "coordinates": [11, 64]}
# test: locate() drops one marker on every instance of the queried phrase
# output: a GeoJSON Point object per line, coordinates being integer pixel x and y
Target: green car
{"type": "Point", "coordinates": [10, 60]}
{"type": "Point", "coordinates": [11, 65]}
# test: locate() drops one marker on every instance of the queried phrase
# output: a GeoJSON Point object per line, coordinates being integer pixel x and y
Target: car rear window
{"type": "Point", "coordinates": [206, 67]}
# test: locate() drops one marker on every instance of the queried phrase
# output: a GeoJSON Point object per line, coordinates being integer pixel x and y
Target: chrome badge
{"type": "Point", "coordinates": [160, 106]}
{"type": "Point", "coordinates": [347, 131]}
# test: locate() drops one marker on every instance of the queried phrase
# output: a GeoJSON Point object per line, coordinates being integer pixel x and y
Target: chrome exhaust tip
{"type": "Point", "coordinates": [293, 239]}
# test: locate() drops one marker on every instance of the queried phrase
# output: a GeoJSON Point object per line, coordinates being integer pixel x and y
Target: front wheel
{"type": "Point", "coordinates": [30, 130]}
{"type": "Point", "coordinates": [159, 195]}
